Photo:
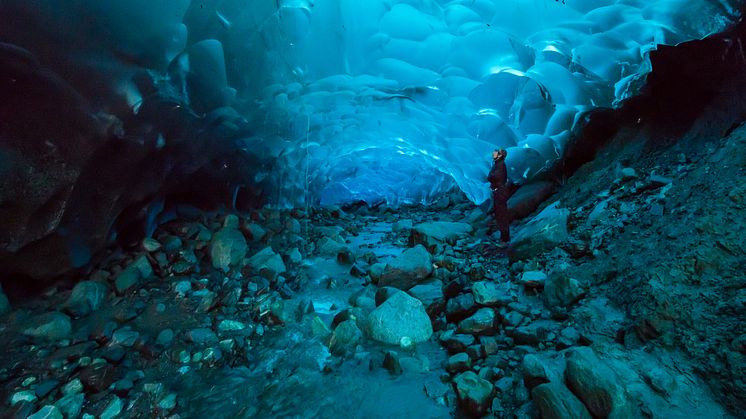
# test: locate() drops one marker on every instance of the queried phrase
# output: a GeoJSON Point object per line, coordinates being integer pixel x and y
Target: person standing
{"type": "Point", "coordinates": [499, 184]}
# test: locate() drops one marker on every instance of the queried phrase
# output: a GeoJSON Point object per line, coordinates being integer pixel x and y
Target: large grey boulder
{"type": "Point", "coordinates": [52, 326]}
{"type": "Point", "coordinates": [555, 401]}
{"type": "Point", "coordinates": [436, 233]}
{"type": "Point", "coordinates": [268, 263]}
{"type": "Point", "coordinates": [408, 269]}
{"type": "Point", "coordinates": [543, 232]}
{"type": "Point", "coordinates": [86, 297]}
{"type": "Point", "coordinates": [228, 246]}
{"type": "Point", "coordinates": [398, 317]}
{"type": "Point", "coordinates": [596, 384]}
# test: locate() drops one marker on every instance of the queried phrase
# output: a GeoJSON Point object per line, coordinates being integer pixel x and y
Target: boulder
{"type": "Point", "coordinates": [434, 234]}
{"type": "Point", "coordinates": [52, 326]}
{"type": "Point", "coordinates": [268, 263]}
{"type": "Point", "coordinates": [458, 363]}
{"type": "Point", "coordinates": [228, 246]}
{"type": "Point", "coordinates": [345, 337]}
{"type": "Point", "coordinates": [528, 197]}
{"type": "Point", "coordinates": [542, 233]}
{"type": "Point", "coordinates": [408, 269]}
{"type": "Point", "coordinates": [330, 247]}
{"type": "Point", "coordinates": [490, 294]}
{"type": "Point", "coordinates": [596, 384]}
{"type": "Point", "coordinates": [534, 372]}
{"type": "Point", "coordinates": [482, 322]}
{"type": "Point", "coordinates": [139, 270]}
{"type": "Point", "coordinates": [86, 297]}
{"type": "Point", "coordinates": [533, 279]}
{"type": "Point", "coordinates": [474, 393]}
{"type": "Point", "coordinates": [400, 316]}
{"type": "Point", "coordinates": [555, 401]}
{"type": "Point", "coordinates": [561, 290]}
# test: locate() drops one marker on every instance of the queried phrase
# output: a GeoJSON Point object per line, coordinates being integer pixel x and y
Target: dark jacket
{"type": "Point", "coordinates": [498, 176]}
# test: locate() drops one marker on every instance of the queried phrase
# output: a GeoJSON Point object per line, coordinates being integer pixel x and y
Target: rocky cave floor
{"type": "Point", "coordinates": [623, 296]}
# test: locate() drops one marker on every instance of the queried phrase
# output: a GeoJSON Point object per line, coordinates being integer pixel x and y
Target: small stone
{"type": "Point", "coordinates": [168, 403]}
{"type": "Point", "coordinates": [267, 263]}
{"type": "Point", "coordinates": [455, 343]}
{"type": "Point", "coordinates": [555, 401]}
{"type": "Point", "coordinates": [23, 396]}
{"type": "Point", "coordinates": [295, 256]}
{"type": "Point", "coordinates": [165, 338]}
{"type": "Point", "coordinates": [482, 322]}
{"type": "Point", "coordinates": [406, 343]}
{"type": "Point", "coordinates": [151, 245]}
{"type": "Point", "coordinates": [97, 377]}
{"type": "Point", "coordinates": [391, 363]}
{"type": "Point", "coordinates": [628, 173]}
{"type": "Point", "coordinates": [231, 326]}
{"type": "Point", "coordinates": [534, 279]}
{"type": "Point", "coordinates": [52, 326]}
{"type": "Point", "coordinates": [561, 290]}
{"type": "Point", "coordinates": [140, 269]}
{"type": "Point", "coordinates": [72, 387]}
{"type": "Point", "coordinates": [113, 409]}
{"type": "Point", "coordinates": [474, 393]}
{"type": "Point", "coordinates": [47, 412]}
{"type": "Point", "coordinates": [490, 294]}
{"type": "Point", "coordinates": [125, 337]}
{"type": "Point", "coordinates": [28, 381]}
{"type": "Point", "coordinates": [71, 405]}
{"type": "Point", "coordinates": [458, 363]}
{"type": "Point", "coordinates": [183, 287]}
{"type": "Point", "coordinates": [86, 297]}
{"type": "Point", "coordinates": [45, 387]}
{"type": "Point", "coordinates": [345, 337]}
{"type": "Point", "coordinates": [202, 336]}
{"type": "Point", "coordinates": [534, 372]}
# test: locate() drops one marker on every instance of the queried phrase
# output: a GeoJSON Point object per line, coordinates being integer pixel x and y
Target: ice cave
{"type": "Point", "coordinates": [372, 209]}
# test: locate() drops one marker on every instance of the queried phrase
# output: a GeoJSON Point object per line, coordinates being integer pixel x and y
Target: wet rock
{"type": "Point", "coordinates": [151, 245]}
{"type": "Point", "coordinates": [125, 337]}
{"type": "Point", "coordinates": [202, 336]}
{"type": "Point", "coordinates": [345, 337]}
{"type": "Point", "coordinates": [533, 279]}
{"type": "Point", "coordinates": [474, 393]}
{"type": "Point", "coordinates": [330, 247]}
{"type": "Point", "coordinates": [268, 263]}
{"type": "Point", "coordinates": [534, 372]}
{"type": "Point", "coordinates": [47, 412]}
{"type": "Point", "coordinates": [561, 290]}
{"type": "Point", "coordinates": [408, 269]}
{"type": "Point", "coordinates": [455, 343]}
{"type": "Point", "coordinates": [97, 377]}
{"type": "Point", "coordinates": [568, 337]}
{"type": "Point", "coordinates": [72, 387]}
{"type": "Point", "coordinates": [490, 294]}
{"type": "Point", "coordinates": [458, 363]}
{"type": "Point", "coordinates": [183, 287]}
{"type": "Point", "coordinates": [400, 316]}
{"type": "Point", "coordinates": [402, 225]}
{"type": "Point", "coordinates": [70, 405]}
{"type": "Point", "coordinates": [384, 293]}
{"type": "Point", "coordinates": [482, 322]}
{"type": "Point", "coordinates": [52, 326]}
{"type": "Point", "coordinates": [86, 297]}
{"type": "Point", "coordinates": [542, 233]}
{"type": "Point", "coordinates": [255, 232]}
{"type": "Point", "coordinates": [23, 396]}
{"type": "Point", "coordinates": [139, 270]}
{"type": "Point", "coordinates": [294, 256]}
{"type": "Point", "coordinates": [531, 334]}
{"type": "Point", "coordinates": [113, 409]}
{"type": "Point", "coordinates": [460, 307]}
{"type": "Point", "coordinates": [596, 384]}
{"type": "Point", "coordinates": [435, 234]}
{"type": "Point", "coordinates": [168, 403]}
{"type": "Point", "coordinates": [228, 246]}
{"type": "Point", "coordinates": [391, 363]}
{"type": "Point", "coordinates": [431, 296]}
{"type": "Point", "coordinates": [165, 338]}
{"type": "Point", "coordinates": [45, 387]}
{"type": "Point", "coordinates": [4, 303]}
{"type": "Point", "coordinates": [231, 326]}
{"type": "Point", "coordinates": [555, 401]}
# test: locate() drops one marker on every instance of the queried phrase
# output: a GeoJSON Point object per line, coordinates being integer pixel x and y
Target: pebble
{"type": "Point", "coordinates": [113, 409]}
{"type": "Point", "coordinates": [47, 412]}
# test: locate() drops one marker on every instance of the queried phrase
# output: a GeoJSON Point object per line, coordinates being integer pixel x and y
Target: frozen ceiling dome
{"type": "Point", "coordinates": [402, 100]}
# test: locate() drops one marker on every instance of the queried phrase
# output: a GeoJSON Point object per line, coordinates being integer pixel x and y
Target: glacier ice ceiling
{"type": "Point", "coordinates": [377, 99]}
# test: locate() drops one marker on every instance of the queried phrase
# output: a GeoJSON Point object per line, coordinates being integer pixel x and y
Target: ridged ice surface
{"type": "Point", "coordinates": [399, 100]}
{"type": "Point", "coordinates": [392, 100]}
